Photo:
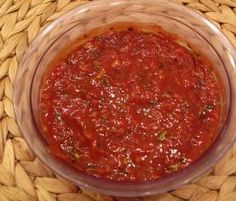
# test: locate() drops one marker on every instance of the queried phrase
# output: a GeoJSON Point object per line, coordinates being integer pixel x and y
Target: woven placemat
{"type": "Point", "coordinates": [22, 176]}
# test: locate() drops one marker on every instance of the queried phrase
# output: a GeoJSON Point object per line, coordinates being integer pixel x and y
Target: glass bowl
{"type": "Point", "coordinates": [187, 24]}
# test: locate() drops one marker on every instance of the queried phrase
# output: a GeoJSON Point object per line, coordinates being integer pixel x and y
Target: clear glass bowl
{"type": "Point", "coordinates": [189, 25]}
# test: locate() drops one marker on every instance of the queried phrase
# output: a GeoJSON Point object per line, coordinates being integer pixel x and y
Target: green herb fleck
{"type": "Point", "coordinates": [105, 82]}
{"type": "Point", "coordinates": [175, 167]}
{"type": "Point", "coordinates": [122, 106]}
{"type": "Point", "coordinates": [166, 95]}
{"type": "Point", "coordinates": [210, 107]}
{"type": "Point", "coordinates": [73, 154]}
{"type": "Point", "coordinates": [100, 74]}
{"type": "Point", "coordinates": [125, 172]}
{"type": "Point", "coordinates": [76, 155]}
{"type": "Point", "coordinates": [205, 109]}
{"type": "Point", "coordinates": [183, 160]}
{"type": "Point", "coordinates": [202, 114]}
{"type": "Point", "coordinates": [58, 115]}
{"type": "Point", "coordinates": [162, 135]}
{"type": "Point", "coordinates": [147, 85]}
{"type": "Point", "coordinates": [201, 83]}
{"type": "Point", "coordinates": [104, 119]}
{"type": "Point", "coordinates": [153, 103]}
{"type": "Point", "coordinates": [91, 166]}
{"type": "Point", "coordinates": [186, 104]}
{"type": "Point", "coordinates": [96, 65]}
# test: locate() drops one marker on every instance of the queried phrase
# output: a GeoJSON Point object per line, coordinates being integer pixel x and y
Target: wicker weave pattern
{"type": "Point", "coordinates": [22, 176]}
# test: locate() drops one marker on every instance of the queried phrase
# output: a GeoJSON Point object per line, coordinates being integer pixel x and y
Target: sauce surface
{"type": "Point", "coordinates": [130, 105]}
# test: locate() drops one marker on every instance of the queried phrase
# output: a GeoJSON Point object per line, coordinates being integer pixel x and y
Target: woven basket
{"type": "Point", "coordinates": [22, 176]}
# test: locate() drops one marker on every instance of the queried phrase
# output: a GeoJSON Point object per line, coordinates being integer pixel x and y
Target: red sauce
{"type": "Point", "coordinates": [130, 105]}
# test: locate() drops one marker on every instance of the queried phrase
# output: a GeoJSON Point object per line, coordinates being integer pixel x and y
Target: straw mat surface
{"type": "Point", "coordinates": [22, 176]}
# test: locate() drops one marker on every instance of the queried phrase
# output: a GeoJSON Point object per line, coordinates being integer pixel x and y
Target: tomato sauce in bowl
{"type": "Point", "coordinates": [128, 104]}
